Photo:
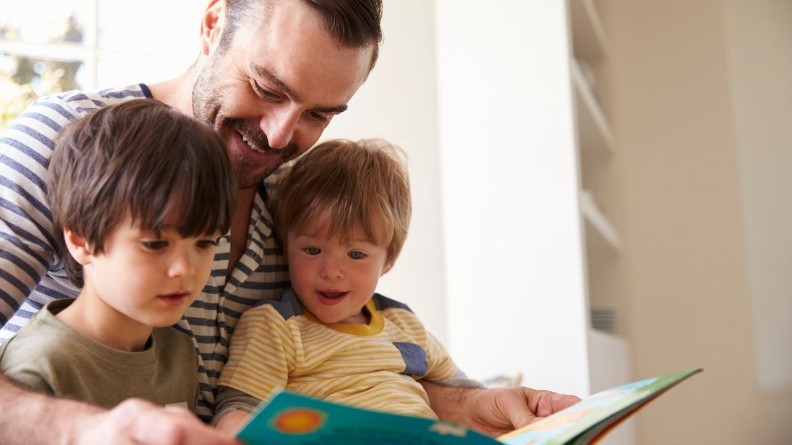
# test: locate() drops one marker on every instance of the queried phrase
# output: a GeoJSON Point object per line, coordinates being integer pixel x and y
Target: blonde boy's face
{"type": "Point", "coordinates": [335, 280]}
{"type": "Point", "coordinates": [145, 280]}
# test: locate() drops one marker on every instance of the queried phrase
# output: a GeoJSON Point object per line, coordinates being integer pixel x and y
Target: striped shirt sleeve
{"type": "Point", "coordinates": [27, 253]}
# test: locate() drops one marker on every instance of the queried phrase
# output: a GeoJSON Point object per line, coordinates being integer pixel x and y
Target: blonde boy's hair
{"type": "Point", "coordinates": [349, 184]}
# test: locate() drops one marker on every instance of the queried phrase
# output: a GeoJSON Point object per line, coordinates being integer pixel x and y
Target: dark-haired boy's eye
{"type": "Point", "coordinates": [155, 244]}
{"type": "Point", "coordinates": [205, 244]}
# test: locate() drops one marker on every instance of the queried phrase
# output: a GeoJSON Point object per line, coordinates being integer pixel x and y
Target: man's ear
{"type": "Point", "coordinates": [78, 247]}
{"type": "Point", "coordinates": [212, 23]}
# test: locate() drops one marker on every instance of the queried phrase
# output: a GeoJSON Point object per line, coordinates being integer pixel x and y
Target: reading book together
{"type": "Point", "coordinates": [290, 418]}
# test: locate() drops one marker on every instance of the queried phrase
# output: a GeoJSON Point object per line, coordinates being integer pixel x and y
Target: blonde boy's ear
{"type": "Point", "coordinates": [78, 246]}
{"type": "Point", "coordinates": [387, 268]}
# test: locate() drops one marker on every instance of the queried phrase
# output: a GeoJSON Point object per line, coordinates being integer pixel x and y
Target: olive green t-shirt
{"type": "Point", "coordinates": [49, 356]}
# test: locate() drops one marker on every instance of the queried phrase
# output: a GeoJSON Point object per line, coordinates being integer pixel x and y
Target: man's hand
{"type": "Point", "coordinates": [137, 421]}
{"type": "Point", "coordinates": [30, 418]}
{"type": "Point", "coordinates": [494, 411]}
{"type": "Point", "coordinates": [497, 411]}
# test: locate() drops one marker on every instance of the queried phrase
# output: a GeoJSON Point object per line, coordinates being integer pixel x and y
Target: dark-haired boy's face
{"type": "Point", "coordinates": [275, 89]}
{"type": "Point", "coordinates": [143, 279]}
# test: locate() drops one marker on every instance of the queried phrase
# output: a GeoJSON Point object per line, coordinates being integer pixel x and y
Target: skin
{"type": "Point", "coordinates": [140, 281]}
{"type": "Point", "coordinates": [333, 279]}
{"type": "Point", "coordinates": [270, 95]}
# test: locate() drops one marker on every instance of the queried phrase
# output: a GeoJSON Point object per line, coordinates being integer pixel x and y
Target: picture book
{"type": "Point", "coordinates": [293, 419]}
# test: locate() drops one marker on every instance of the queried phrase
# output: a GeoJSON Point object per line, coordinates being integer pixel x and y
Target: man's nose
{"type": "Point", "coordinates": [279, 125]}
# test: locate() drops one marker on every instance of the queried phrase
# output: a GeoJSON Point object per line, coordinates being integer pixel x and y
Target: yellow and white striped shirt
{"type": "Point", "coordinates": [280, 345]}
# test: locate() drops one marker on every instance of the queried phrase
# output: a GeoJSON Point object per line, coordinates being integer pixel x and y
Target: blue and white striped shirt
{"type": "Point", "coordinates": [30, 271]}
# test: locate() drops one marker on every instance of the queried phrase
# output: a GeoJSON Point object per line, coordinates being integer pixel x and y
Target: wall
{"type": "Point", "coordinates": [673, 100]}
{"type": "Point", "coordinates": [516, 295]}
{"type": "Point", "coordinates": [760, 43]}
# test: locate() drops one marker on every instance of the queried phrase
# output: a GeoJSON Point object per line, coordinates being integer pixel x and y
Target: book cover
{"type": "Point", "coordinates": [293, 419]}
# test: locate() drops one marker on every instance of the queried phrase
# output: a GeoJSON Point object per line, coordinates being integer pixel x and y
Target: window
{"type": "Point", "coordinates": [57, 45]}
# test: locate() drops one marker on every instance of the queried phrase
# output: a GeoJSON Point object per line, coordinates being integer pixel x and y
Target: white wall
{"type": "Point", "coordinates": [761, 68]}
{"type": "Point", "coordinates": [513, 237]}
{"type": "Point", "coordinates": [685, 108]}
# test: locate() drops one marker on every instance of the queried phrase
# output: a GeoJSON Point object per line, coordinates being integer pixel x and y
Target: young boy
{"type": "Point", "coordinates": [139, 194]}
{"type": "Point", "coordinates": [342, 216]}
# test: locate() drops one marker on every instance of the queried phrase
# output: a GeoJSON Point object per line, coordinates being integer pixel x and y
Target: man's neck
{"type": "Point", "coordinates": [176, 92]}
{"type": "Point", "coordinates": [239, 226]}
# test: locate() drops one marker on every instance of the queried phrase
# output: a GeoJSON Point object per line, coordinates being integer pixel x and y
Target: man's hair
{"type": "Point", "coordinates": [143, 159]}
{"type": "Point", "coordinates": [353, 23]}
{"type": "Point", "coordinates": [347, 185]}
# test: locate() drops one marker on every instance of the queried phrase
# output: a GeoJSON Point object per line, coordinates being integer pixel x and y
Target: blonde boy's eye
{"type": "Point", "coordinates": [356, 255]}
{"type": "Point", "coordinates": [312, 250]}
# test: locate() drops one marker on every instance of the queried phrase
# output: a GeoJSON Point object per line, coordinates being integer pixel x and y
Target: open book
{"type": "Point", "coordinates": [290, 418]}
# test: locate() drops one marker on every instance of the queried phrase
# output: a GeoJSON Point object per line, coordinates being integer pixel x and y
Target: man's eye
{"type": "Point", "coordinates": [155, 244]}
{"type": "Point", "coordinates": [312, 250]}
{"type": "Point", "coordinates": [356, 255]}
{"type": "Point", "coordinates": [317, 116]}
{"type": "Point", "coordinates": [265, 93]}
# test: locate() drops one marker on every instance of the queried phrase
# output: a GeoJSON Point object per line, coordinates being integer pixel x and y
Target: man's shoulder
{"type": "Point", "coordinates": [75, 103]}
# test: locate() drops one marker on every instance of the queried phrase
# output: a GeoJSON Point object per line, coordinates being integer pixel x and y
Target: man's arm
{"type": "Point", "coordinates": [33, 418]}
{"type": "Point", "coordinates": [494, 411]}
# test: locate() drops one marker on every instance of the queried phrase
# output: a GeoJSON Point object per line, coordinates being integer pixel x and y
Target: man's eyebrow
{"type": "Point", "coordinates": [281, 85]}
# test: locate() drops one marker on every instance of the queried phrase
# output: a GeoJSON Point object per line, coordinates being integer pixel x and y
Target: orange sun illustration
{"type": "Point", "coordinates": [299, 421]}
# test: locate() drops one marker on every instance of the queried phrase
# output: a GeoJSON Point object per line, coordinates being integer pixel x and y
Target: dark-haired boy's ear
{"type": "Point", "coordinates": [78, 246]}
{"type": "Point", "coordinates": [212, 23]}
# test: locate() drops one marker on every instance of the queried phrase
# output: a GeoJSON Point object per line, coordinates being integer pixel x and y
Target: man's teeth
{"type": "Point", "coordinates": [251, 145]}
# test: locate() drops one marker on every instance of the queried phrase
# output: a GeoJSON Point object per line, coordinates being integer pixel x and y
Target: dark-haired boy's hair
{"type": "Point", "coordinates": [143, 159]}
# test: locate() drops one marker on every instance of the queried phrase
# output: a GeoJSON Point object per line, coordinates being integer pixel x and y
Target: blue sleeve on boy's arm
{"type": "Point", "coordinates": [230, 399]}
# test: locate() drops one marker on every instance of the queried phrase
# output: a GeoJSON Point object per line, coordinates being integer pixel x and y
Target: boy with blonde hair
{"type": "Point", "coordinates": [342, 217]}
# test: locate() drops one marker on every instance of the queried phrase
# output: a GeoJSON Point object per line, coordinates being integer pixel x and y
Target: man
{"type": "Point", "coordinates": [270, 77]}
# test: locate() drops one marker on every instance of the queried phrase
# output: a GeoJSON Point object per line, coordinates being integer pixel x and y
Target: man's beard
{"type": "Point", "coordinates": [207, 105]}
{"type": "Point", "coordinates": [250, 174]}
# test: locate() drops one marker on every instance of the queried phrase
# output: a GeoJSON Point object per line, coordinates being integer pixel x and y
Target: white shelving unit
{"type": "Point", "coordinates": [588, 38]}
{"type": "Point", "coordinates": [596, 145]}
{"type": "Point", "coordinates": [594, 132]}
{"type": "Point", "coordinates": [600, 234]}
{"type": "Point", "coordinates": [609, 358]}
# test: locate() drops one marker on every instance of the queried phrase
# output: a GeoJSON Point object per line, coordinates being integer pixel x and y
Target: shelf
{"type": "Point", "coordinates": [594, 132]}
{"type": "Point", "coordinates": [600, 233]}
{"type": "Point", "coordinates": [588, 38]}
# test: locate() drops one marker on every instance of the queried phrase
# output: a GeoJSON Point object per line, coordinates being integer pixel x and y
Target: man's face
{"type": "Point", "coordinates": [274, 90]}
